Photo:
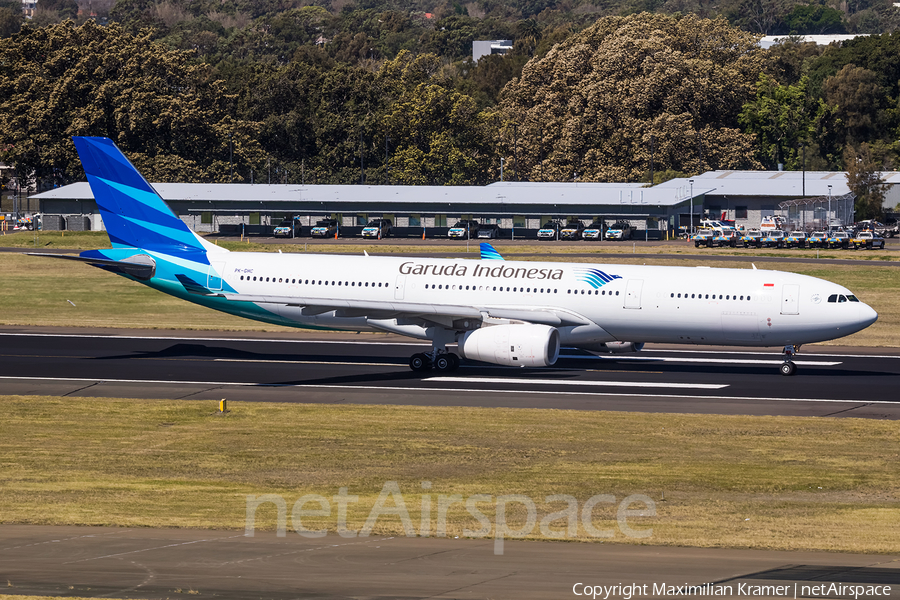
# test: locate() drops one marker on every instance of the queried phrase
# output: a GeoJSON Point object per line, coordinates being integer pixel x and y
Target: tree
{"type": "Point", "coordinates": [784, 118]}
{"type": "Point", "coordinates": [860, 103]}
{"type": "Point", "coordinates": [591, 105]}
{"type": "Point", "coordinates": [812, 19]}
{"type": "Point", "coordinates": [65, 80]}
{"type": "Point", "coordinates": [11, 18]}
{"type": "Point", "coordinates": [864, 180]}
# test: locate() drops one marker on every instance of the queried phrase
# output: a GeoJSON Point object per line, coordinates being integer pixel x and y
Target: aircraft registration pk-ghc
{"type": "Point", "coordinates": [495, 311]}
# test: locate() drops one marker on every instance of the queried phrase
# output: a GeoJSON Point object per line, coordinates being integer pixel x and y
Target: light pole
{"type": "Point", "coordinates": [502, 162]}
{"type": "Point", "coordinates": [691, 229]}
{"type": "Point", "coordinates": [828, 214]}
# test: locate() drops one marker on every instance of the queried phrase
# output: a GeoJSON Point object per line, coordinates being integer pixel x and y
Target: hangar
{"type": "Point", "coordinates": [518, 208]}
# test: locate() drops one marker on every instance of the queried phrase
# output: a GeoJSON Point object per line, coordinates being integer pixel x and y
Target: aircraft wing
{"type": "Point", "coordinates": [383, 309]}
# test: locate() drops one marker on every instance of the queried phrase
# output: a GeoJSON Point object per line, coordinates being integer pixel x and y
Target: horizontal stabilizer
{"type": "Point", "coordinates": [139, 266]}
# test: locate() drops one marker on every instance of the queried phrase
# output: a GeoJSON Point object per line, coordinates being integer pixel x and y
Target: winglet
{"type": "Point", "coordinates": [489, 253]}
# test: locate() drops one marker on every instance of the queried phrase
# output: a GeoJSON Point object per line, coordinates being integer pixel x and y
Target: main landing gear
{"type": "Point", "coordinates": [444, 362]}
{"type": "Point", "coordinates": [788, 367]}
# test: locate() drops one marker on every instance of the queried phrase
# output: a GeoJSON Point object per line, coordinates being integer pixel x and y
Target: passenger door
{"type": "Point", "coordinates": [790, 295]}
{"type": "Point", "coordinates": [633, 293]}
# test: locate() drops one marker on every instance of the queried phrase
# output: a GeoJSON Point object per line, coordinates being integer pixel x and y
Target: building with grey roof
{"type": "Point", "coordinates": [743, 196]}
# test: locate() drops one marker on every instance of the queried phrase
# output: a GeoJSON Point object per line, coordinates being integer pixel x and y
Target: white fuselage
{"type": "Point", "coordinates": [598, 302]}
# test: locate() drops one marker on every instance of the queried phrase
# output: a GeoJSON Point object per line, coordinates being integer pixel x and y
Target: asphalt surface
{"type": "Point", "coordinates": [372, 369]}
{"type": "Point", "coordinates": [166, 563]}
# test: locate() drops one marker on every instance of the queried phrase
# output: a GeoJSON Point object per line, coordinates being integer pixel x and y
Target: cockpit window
{"type": "Point", "coordinates": [842, 298]}
{"type": "Point", "coordinates": [833, 298]}
{"type": "Point", "coordinates": [852, 298]}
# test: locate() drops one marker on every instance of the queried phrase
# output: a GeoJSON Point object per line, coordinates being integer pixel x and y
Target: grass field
{"type": "Point", "coordinates": [38, 291]}
{"type": "Point", "coordinates": [729, 481]}
{"type": "Point", "coordinates": [86, 240]}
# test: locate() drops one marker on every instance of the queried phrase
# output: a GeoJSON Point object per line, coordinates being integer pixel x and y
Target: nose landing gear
{"type": "Point", "coordinates": [788, 367]}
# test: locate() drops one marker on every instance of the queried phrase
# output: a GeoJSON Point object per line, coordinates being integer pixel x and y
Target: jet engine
{"type": "Point", "coordinates": [512, 345]}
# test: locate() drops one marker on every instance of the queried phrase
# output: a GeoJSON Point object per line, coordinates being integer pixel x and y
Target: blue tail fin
{"type": "Point", "coordinates": [489, 253]}
{"type": "Point", "coordinates": [135, 216]}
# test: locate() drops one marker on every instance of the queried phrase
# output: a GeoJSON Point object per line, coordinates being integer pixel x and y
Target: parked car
{"type": "Point", "coordinates": [773, 239]}
{"type": "Point", "coordinates": [620, 230]}
{"type": "Point", "coordinates": [838, 239]}
{"type": "Point", "coordinates": [703, 237]}
{"type": "Point", "coordinates": [867, 240]}
{"type": "Point", "coordinates": [464, 229]}
{"type": "Point", "coordinates": [752, 238]}
{"type": "Point", "coordinates": [550, 231]}
{"type": "Point", "coordinates": [488, 232]}
{"type": "Point", "coordinates": [324, 228]}
{"type": "Point", "coordinates": [726, 237]}
{"type": "Point", "coordinates": [574, 230]}
{"type": "Point", "coordinates": [797, 239]}
{"type": "Point", "coordinates": [287, 228]}
{"type": "Point", "coordinates": [817, 239]}
{"type": "Point", "coordinates": [377, 228]}
{"type": "Point", "coordinates": [594, 231]}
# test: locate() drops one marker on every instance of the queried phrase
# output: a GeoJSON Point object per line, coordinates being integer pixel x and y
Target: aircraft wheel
{"type": "Point", "coordinates": [454, 362]}
{"type": "Point", "coordinates": [788, 368]}
{"type": "Point", "coordinates": [443, 363]}
{"type": "Point", "coordinates": [419, 362]}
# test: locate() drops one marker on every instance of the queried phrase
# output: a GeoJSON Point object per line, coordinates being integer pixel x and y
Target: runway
{"type": "Point", "coordinates": [372, 369]}
{"type": "Point", "coordinates": [165, 563]}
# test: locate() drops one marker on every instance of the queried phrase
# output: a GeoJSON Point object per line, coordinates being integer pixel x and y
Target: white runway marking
{"type": "Point", "coordinates": [456, 390]}
{"type": "Point", "coordinates": [641, 384]}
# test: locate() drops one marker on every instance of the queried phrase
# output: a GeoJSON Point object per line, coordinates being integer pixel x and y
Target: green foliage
{"type": "Point", "coordinates": [65, 80]}
{"type": "Point", "coordinates": [864, 180]}
{"type": "Point", "coordinates": [11, 19]}
{"type": "Point", "coordinates": [878, 53]}
{"type": "Point", "coordinates": [592, 104]}
{"type": "Point", "coordinates": [784, 118]}
{"type": "Point", "coordinates": [812, 19]}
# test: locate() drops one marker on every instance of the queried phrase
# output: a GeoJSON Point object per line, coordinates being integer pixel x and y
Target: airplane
{"type": "Point", "coordinates": [502, 312]}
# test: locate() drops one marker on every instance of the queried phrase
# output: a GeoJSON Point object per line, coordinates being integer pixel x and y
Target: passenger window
{"type": "Point", "coordinates": [617, 293]}
{"type": "Point", "coordinates": [672, 295]}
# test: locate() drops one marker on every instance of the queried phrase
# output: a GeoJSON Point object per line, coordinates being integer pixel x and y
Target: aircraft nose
{"type": "Point", "coordinates": [867, 315]}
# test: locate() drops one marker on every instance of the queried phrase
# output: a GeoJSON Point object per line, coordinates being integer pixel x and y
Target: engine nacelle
{"type": "Point", "coordinates": [512, 345]}
{"type": "Point", "coordinates": [621, 347]}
